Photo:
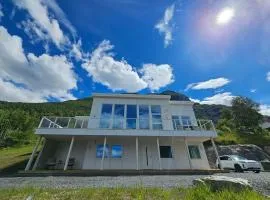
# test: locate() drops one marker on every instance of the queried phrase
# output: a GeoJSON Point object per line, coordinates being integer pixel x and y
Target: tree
{"type": "Point", "coordinates": [245, 115]}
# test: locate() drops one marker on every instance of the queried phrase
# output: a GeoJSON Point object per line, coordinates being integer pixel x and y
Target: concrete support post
{"type": "Point", "coordinates": [69, 151]}
{"type": "Point", "coordinates": [39, 155]}
{"type": "Point", "coordinates": [188, 155]}
{"type": "Point", "coordinates": [216, 152]}
{"type": "Point", "coordinates": [32, 155]}
{"type": "Point", "coordinates": [158, 150]}
{"type": "Point", "coordinates": [103, 153]}
{"type": "Point", "coordinates": [137, 153]}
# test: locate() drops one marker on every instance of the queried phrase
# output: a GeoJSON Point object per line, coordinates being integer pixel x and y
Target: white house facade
{"type": "Point", "coordinates": [125, 132]}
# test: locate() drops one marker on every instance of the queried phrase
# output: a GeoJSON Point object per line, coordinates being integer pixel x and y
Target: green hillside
{"type": "Point", "coordinates": [83, 107]}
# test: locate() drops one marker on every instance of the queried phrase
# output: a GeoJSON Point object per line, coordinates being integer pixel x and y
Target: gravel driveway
{"type": "Point", "coordinates": [260, 182]}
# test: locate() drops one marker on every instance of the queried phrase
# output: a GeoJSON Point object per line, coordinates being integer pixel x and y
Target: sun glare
{"type": "Point", "coordinates": [225, 16]}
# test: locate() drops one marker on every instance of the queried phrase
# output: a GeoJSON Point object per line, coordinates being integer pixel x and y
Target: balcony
{"type": "Point", "coordinates": [83, 125]}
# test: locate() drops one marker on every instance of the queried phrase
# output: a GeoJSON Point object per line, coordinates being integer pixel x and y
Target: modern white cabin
{"type": "Point", "coordinates": [125, 132]}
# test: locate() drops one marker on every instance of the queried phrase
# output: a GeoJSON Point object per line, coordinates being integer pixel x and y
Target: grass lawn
{"type": "Point", "coordinates": [13, 159]}
{"type": "Point", "coordinates": [197, 193]}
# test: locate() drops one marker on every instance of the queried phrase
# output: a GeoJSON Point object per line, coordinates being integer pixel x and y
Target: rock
{"type": "Point", "coordinates": [223, 182]}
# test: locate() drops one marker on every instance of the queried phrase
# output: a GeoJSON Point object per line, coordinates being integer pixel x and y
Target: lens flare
{"type": "Point", "coordinates": [225, 16]}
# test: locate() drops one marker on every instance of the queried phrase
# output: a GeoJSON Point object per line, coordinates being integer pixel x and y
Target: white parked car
{"type": "Point", "coordinates": [238, 163]}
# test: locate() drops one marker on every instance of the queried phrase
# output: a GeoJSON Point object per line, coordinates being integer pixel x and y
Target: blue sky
{"type": "Point", "coordinates": [209, 50]}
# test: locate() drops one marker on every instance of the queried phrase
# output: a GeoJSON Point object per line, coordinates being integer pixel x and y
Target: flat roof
{"type": "Point", "coordinates": [138, 96]}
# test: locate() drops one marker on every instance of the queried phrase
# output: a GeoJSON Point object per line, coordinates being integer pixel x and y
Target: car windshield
{"type": "Point", "coordinates": [238, 158]}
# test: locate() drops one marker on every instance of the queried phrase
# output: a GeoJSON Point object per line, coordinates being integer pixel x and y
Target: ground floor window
{"type": "Point", "coordinates": [194, 151]}
{"type": "Point", "coordinates": [165, 151]}
{"type": "Point", "coordinates": [116, 151]}
{"type": "Point", "coordinates": [99, 151]}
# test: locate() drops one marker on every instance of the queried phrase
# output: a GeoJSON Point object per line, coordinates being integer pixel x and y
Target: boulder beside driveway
{"type": "Point", "coordinates": [223, 182]}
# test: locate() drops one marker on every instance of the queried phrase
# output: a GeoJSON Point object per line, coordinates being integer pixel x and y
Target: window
{"type": "Point", "coordinates": [117, 151]}
{"type": "Point", "coordinates": [105, 118]}
{"type": "Point", "coordinates": [118, 116]}
{"type": "Point", "coordinates": [131, 116]}
{"type": "Point", "coordinates": [224, 158]}
{"type": "Point", "coordinates": [156, 117]}
{"type": "Point", "coordinates": [194, 152]}
{"type": "Point", "coordinates": [144, 116]}
{"type": "Point", "coordinates": [176, 122]}
{"type": "Point", "coordinates": [165, 151]}
{"type": "Point", "coordinates": [99, 151]}
{"type": "Point", "coordinates": [186, 121]}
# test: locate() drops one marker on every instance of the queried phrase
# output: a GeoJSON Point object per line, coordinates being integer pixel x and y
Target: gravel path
{"type": "Point", "coordinates": [260, 182]}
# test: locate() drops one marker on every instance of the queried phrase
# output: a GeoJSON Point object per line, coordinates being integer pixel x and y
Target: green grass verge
{"type": "Point", "coordinates": [13, 159]}
{"type": "Point", "coordinates": [196, 193]}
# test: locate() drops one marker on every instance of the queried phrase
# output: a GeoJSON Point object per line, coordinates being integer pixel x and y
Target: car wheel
{"type": "Point", "coordinates": [257, 171]}
{"type": "Point", "coordinates": [238, 168]}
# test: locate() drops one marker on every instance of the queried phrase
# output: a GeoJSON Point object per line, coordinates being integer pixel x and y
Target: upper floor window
{"type": "Point", "coordinates": [156, 117]}
{"type": "Point", "coordinates": [144, 116]}
{"type": "Point", "coordinates": [131, 116]}
{"type": "Point", "coordinates": [181, 122]}
{"type": "Point", "coordinates": [176, 122]}
{"type": "Point", "coordinates": [118, 116]}
{"type": "Point", "coordinates": [186, 121]}
{"type": "Point", "coordinates": [106, 113]}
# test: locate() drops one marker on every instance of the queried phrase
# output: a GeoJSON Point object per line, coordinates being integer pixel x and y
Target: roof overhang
{"type": "Point", "coordinates": [132, 96]}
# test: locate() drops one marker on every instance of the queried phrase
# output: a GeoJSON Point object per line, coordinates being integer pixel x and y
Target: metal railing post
{"type": "Point", "coordinates": [75, 123]}
{"type": "Point", "coordinates": [41, 121]}
{"type": "Point", "coordinates": [68, 122]}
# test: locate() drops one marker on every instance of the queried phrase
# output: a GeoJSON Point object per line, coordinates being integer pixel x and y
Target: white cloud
{"type": "Point", "coordinates": [61, 16]}
{"type": "Point", "coordinates": [218, 99]}
{"type": "Point", "coordinates": [253, 90]}
{"type": "Point", "coordinates": [45, 23]}
{"type": "Point", "coordinates": [265, 109]}
{"type": "Point", "coordinates": [10, 92]}
{"type": "Point", "coordinates": [157, 76]}
{"type": "Point", "coordinates": [164, 26]}
{"type": "Point", "coordinates": [268, 76]}
{"type": "Point", "coordinates": [1, 12]}
{"type": "Point", "coordinates": [116, 75]}
{"type": "Point", "coordinates": [77, 51]}
{"type": "Point", "coordinates": [45, 76]}
{"type": "Point", "coordinates": [209, 84]}
{"type": "Point", "coordinates": [119, 75]}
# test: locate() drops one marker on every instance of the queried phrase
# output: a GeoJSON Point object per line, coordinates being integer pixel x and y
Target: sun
{"type": "Point", "coordinates": [225, 16]}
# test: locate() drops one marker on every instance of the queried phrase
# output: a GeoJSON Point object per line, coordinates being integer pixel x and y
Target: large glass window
{"type": "Point", "coordinates": [194, 152]}
{"type": "Point", "coordinates": [118, 116]}
{"type": "Point", "coordinates": [144, 116]}
{"type": "Point", "coordinates": [117, 151]}
{"type": "Point", "coordinates": [131, 116]}
{"type": "Point", "coordinates": [186, 121]}
{"type": "Point", "coordinates": [99, 151]}
{"type": "Point", "coordinates": [176, 122]}
{"type": "Point", "coordinates": [165, 151]}
{"type": "Point", "coordinates": [156, 117]}
{"type": "Point", "coordinates": [105, 118]}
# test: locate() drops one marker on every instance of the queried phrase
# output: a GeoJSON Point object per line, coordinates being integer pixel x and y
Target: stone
{"type": "Point", "coordinates": [223, 182]}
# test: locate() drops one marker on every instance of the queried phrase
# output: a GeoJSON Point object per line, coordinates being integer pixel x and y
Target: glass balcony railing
{"type": "Point", "coordinates": [123, 123]}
